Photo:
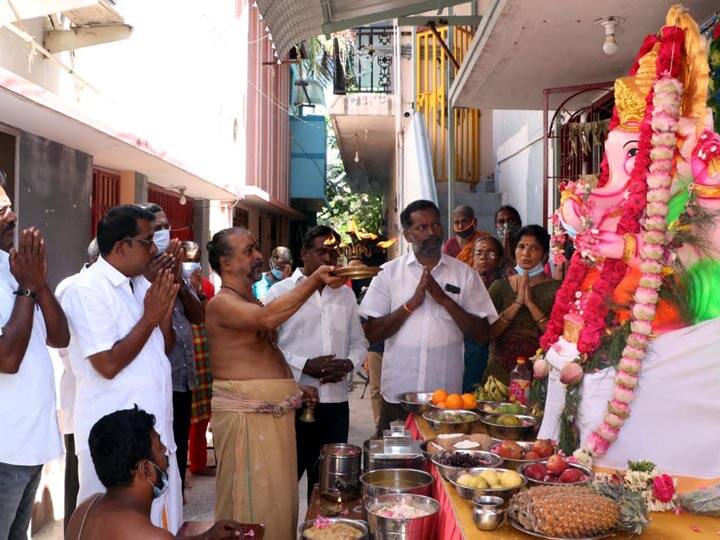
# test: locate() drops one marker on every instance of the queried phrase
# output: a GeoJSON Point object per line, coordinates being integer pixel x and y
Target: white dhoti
{"type": "Point", "coordinates": [674, 418]}
{"type": "Point", "coordinates": [167, 510]}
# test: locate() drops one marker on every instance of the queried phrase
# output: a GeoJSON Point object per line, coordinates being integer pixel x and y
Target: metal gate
{"type": "Point", "coordinates": [179, 215]}
{"type": "Point", "coordinates": [105, 195]}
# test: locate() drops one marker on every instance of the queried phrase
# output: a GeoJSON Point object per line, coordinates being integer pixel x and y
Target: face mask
{"type": "Point", "coordinates": [158, 491]}
{"type": "Point", "coordinates": [572, 233]}
{"type": "Point", "coordinates": [162, 240]}
{"type": "Point", "coordinates": [189, 268]}
{"type": "Point", "coordinates": [277, 273]}
{"type": "Point", "coordinates": [536, 270]}
{"type": "Point", "coordinates": [466, 231]}
{"type": "Point", "coordinates": [505, 230]}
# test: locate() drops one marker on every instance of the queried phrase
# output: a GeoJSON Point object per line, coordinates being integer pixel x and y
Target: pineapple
{"type": "Point", "coordinates": [564, 511]}
{"type": "Point", "coordinates": [633, 508]}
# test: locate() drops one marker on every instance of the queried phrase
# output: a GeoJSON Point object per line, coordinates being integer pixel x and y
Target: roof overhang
{"type": "Point", "coordinates": [259, 198]}
{"type": "Point", "coordinates": [292, 21]}
{"type": "Point", "coordinates": [522, 47]}
{"type": "Point", "coordinates": [28, 107]}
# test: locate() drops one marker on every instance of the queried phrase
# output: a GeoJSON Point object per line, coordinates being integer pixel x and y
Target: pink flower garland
{"type": "Point", "coordinates": [667, 97]}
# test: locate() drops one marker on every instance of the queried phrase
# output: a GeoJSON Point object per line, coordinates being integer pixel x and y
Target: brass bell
{"type": "Point", "coordinates": [307, 415]}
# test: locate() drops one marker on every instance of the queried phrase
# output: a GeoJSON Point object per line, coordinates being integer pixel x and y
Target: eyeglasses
{"type": "Point", "coordinates": [147, 244]}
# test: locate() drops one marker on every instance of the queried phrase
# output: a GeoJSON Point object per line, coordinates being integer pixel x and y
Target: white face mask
{"type": "Point", "coordinates": [189, 268]}
{"type": "Point", "coordinates": [162, 240]}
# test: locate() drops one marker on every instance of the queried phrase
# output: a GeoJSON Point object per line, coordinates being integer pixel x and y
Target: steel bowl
{"type": "Point", "coordinates": [415, 402]}
{"type": "Point", "coordinates": [481, 408]}
{"type": "Point", "coordinates": [588, 474]}
{"type": "Point", "coordinates": [386, 528]}
{"type": "Point", "coordinates": [511, 463]}
{"type": "Point", "coordinates": [469, 492]}
{"type": "Point", "coordinates": [446, 471]}
{"type": "Point", "coordinates": [487, 519]}
{"type": "Point", "coordinates": [441, 420]}
{"type": "Point", "coordinates": [513, 433]}
{"type": "Point", "coordinates": [354, 523]}
{"type": "Point", "coordinates": [388, 481]}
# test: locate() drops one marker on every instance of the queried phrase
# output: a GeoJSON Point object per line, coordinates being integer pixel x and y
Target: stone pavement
{"type": "Point", "coordinates": [201, 496]}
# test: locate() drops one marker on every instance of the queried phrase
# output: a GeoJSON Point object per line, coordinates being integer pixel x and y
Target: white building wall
{"type": "Point", "coordinates": [517, 140]}
{"type": "Point", "coordinates": [176, 82]}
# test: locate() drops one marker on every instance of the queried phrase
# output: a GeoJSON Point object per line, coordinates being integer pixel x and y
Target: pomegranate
{"type": "Point", "coordinates": [556, 465]}
{"type": "Point", "coordinates": [571, 373]}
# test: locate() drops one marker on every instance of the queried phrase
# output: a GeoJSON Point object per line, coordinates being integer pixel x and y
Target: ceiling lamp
{"type": "Point", "coordinates": [609, 23]}
{"type": "Point", "coordinates": [356, 159]}
{"type": "Point", "coordinates": [183, 199]}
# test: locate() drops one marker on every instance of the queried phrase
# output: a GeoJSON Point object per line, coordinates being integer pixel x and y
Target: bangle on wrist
{"type": "Point", "coordinates": [25, 293]}
{"type": "Point", "coordinates": [518, 303]}
{"type": "Point", "coordinates": [541, 319]}
{"type": "Point", "coordinates": [406, 308]}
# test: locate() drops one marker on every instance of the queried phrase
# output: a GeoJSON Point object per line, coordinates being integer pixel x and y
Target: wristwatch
{"type": "Point", "coordinates": [26, 293]}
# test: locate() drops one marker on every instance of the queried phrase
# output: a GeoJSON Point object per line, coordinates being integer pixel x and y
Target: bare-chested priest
{"type": "Point", "coordinates": [254, 393]}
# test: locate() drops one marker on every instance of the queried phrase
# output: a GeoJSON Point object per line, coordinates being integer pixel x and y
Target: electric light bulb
{"type": "Point", "coordinates": [610, 46]}
{"type": "Point", "coordinates": [357, 157]}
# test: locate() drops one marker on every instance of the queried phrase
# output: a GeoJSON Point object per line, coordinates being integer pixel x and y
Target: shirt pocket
{"type": "Point", "coordinates": [338, 324]}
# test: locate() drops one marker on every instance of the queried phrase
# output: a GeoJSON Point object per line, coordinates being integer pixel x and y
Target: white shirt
{"type": "Point", "coordinates": [427, 352]}
{"type": "Point", "coordinates": [327, 323]}
{"type": "Point", "coordinates": [102, 309]}
{"type": "Point", "coordinates": [61, 359]}
{"type": "Point", "coordinates": [29, 433]}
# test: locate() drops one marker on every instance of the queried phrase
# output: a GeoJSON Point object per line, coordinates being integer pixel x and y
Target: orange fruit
{"type": "Point", "coordinates": [439, 396]}
{"type": "Point", "coordinates": [441, 405]}
{"type": "Point", "coordinates": [469, 402]}
{"type": "Point", "coordinates": [454, 401]}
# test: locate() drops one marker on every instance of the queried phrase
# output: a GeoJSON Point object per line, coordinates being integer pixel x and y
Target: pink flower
{"type": "Point", "coordinates": [663, 488]}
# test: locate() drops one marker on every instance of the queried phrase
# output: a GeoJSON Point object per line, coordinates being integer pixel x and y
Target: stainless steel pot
{"type": "Point", "coordinates": [374, 458]}
{"type": "Point", "coordinates": [387, 481]}
{"type": "Point", "coordinates": [340, 471]}
{"type": "Point", "coordinates": [419, 528]}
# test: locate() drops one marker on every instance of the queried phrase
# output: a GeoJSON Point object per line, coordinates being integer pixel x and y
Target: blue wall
{"type": "Point", "coordinates": [308, 157]}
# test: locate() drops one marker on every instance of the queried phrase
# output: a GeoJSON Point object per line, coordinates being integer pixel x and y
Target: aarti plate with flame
{"type": "Point", "coordinates": [354, 252]}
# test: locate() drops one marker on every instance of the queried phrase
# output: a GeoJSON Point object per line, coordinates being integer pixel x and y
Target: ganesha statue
{"type": "Point", "coordinates": [631, 348]}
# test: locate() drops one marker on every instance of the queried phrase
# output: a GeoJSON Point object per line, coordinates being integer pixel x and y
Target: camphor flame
{"type": "Point", "coordinates": [353, 230]}
{"type": "Point", "coordinates": [329, 241]}
{"type": "Point", "coordinates": [386, 243]}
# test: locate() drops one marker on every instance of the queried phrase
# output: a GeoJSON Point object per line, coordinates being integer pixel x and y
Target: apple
{"type": "Point", "coordinates": [556, 464]}
{"type": "Point", "coordinates": [510, 450]}
{"type": "Point", "coordinates": [570, 476]}
{"type": "Point", "coordinates": [536, 471]}
{"type": "Point", "coordinates": [532, 455]}
{"type": "Point", "coordinates": [544, 447]}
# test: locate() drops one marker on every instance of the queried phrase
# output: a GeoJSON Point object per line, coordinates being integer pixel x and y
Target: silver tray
{"type": "Point", "coordinates": [520, 528]}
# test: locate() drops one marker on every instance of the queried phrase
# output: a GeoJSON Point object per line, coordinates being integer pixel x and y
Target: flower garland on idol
{"type": "Point", "coordinates": [648, 194]}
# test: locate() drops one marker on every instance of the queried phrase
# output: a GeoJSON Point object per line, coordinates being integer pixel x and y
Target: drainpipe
{"type": "Point", "coordinates": [451, 130]}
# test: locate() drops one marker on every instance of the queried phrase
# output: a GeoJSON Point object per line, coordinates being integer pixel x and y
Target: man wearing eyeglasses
{"type": "Point", "coordinates": [121, 326]}
{"type": "Point", "coordinates": [30, 320]}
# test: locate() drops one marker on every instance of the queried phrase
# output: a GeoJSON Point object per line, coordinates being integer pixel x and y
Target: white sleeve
{"type": "Point", "coordinates": [357, 344]}
{"type": "Point", "coordinates": [476, 300]}
{"type": "Point", "coordinates": [92, 319]}
{"type": "Point", "coordinates": [377, 301]}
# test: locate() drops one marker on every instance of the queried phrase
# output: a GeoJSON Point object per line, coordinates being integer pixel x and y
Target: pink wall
{"type": "Point", "coordinates": [268, 130]}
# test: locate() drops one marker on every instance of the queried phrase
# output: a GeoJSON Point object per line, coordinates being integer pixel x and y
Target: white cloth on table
{"type": "Point", "coordinates": [674, 418]}
{"type": "Point", "coordinates": [327, 323]}
{"type": "Point", "coordinates": [427, 352]}
{"type": "Point", "coordinates": [29, 433]}
{"type": "Point", "coordinates": [102, 308]}
{"type": "Point", "coordinates": [169, 503]}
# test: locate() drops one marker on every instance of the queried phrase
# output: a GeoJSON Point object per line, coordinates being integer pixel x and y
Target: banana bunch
{"type": "Point", "coordinates": [494, 390]}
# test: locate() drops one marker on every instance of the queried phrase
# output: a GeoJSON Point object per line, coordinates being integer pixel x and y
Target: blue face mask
{"type": "Point", "coordinates": [536, 270]}
{"type": "Point", "coordinates": [572, 233]}
{"type": "Point", "coordinates": [162, 240]}
{"type": "Point", "coordinates": [277, 274]}
{"type": "Point", "coordinates": [158, 491]}
{"type": "Point", "coordinates": [189, 268]}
